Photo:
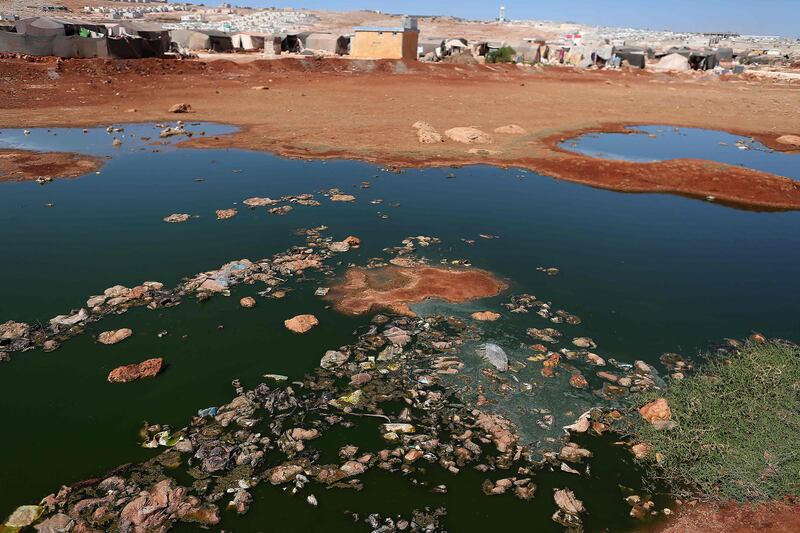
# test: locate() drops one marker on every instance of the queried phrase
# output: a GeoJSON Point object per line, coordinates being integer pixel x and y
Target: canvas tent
{"type": "Point", "coordinates": [51, 27]}
{"type": "Point", "coordinates": [217, 41]}
{"type": "Point", "coordinates": [249, 40]}
{"type": "Point", "coordinates": [328, 42]}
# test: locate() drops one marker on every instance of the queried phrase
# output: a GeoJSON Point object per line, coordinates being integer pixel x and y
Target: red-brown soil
{"type": "Point", "coordinates": [772, 517]}
{"type": "Point", "coordinates": [341, 108]}
{"type": "Point", "coordinates": [393, 288]}
{"type": "Point", "coordinates": [18, 165]}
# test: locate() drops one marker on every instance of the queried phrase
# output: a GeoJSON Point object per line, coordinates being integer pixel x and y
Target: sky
{"type": "Point", "coordinates": [761, 17]}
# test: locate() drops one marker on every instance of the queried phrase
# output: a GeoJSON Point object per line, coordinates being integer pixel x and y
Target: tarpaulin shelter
{"type": "Point", "coordinates": [157, 37]}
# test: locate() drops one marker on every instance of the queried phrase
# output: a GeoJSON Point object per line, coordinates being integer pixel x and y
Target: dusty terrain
{"type": "Point", "coordinates": [775, 517]}
{"type": "Point", "coordinates": [393, 288]}
{"type": "Point", "coordinates": [340, 108]}
{"type": "Point", "coordinates": [18, 165]}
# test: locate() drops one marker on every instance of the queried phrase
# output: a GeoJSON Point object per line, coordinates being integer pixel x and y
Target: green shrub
{"type": "Point", "coordinates": [738, 427]}
{"type": "Point", "coordinates": [506, 54]}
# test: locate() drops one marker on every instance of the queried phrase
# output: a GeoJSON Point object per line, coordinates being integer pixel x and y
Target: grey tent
{"type": "Point", "coordinates": [328, 42]}
{"type": "Point", "coordinates": [431, 45]}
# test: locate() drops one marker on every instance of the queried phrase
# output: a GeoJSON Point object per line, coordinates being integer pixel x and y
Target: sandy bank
{"type": "Point", "coordinates": [19, 165]}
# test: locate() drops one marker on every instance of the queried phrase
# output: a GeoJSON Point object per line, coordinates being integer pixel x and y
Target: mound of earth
{"type": "Point", "coordinates": [393, 288]}
{"type": "Point", "coordinates": [28, 165]}
{"type": "Point", "coordinates": [468, 136]}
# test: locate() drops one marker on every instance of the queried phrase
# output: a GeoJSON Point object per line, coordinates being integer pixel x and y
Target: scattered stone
{"type": "Point", "coordinates": [495, 355]}
{"type": "Point", "coordinates": [114, 336]}
{"type": "Point", "coordinates": [578, 381]}
{"type": "Point", "coordinates": [176, 218]}
{"type": "Point", "coordinates": [146, 369]}
{"type": "Point", "coordinates": [655, 411]}
{"type": "Point", "coordinates": [259, 202]}
{"type": "Point", "coordinates": [511, 129]}
{"type": "Point", "coordinates": [343, 198]}
{"type": "Point", "coordinates": [180, 108]}
{"type": "Point", "coordinates": [333, 359]}
{"type": "Point", "coordinates": [427, 134]}
{"type": "Point", "coordinates": [584, 342]}
{"type": "Point", "coordinates": [790, 140]}
{"type": "Point", "coordinates": [248, 302]}
{"type": "Point", "coordinates": [23, 516]}
{"type": "Point", "coordinates": [301, 323]}
{"type": "Point", "coordinates": [224, 214]}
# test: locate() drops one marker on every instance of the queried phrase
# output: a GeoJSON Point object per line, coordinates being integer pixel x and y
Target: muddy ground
{"type": "Point", "coordinates": [338, 108]}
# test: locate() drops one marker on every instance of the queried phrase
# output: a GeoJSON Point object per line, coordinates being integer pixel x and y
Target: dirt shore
{"type": "Point", "coordinates": [772, 517]}
{"type": "Point", "coordinates": [338, 108]}
{"type": "Point", "coordinates": [19, 165]}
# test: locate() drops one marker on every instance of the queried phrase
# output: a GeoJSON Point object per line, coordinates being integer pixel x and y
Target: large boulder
{"type": "Point", "coordinates": [656, 411]}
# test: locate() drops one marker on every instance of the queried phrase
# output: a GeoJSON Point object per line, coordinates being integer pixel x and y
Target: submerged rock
{"type": "Point", "coordinates": [495, 355]}
{"type": "Point", "coordinates": [146, 369]}
{"type": "Point", "coordinates": [247, 302]}
{"type": "Point", "coordinates": [177, 218]}
{"type": "Point", "coordinates": [224, 214]}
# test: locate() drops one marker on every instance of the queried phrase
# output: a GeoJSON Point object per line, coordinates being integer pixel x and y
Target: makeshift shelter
{"type": "Point", "coordinates": [430, 46]}
{"type": "Point", "coordinates": [249, 40]}
{"type": "Point", "coordinates": [725, 54]}
{"type": "Point", "coordinates": [328, 42]}
{"type": "Point", "coordinates": [292, 43]}
{"type": "Point", "coordinates": [636, 57]}
{"type": "Point", "coordinates": [526, 52]}
{"type": "Point", "coordinates": [217, 41]}
{"type": "Point", "coordinates": [703, 60]}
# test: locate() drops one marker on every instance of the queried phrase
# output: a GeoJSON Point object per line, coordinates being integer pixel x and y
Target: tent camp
{"type": "Point", "coordinates": [248, 40]}
{"type": "Point", "coordinates": [217, 41]}
{"type": "Point", "coordinates": [328, 42]}
{"type": "Point", "coordinates": [157, 38]}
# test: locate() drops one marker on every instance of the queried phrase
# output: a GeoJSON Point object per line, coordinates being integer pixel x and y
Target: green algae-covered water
{"type": "Point", "coordinates": [647, 274]}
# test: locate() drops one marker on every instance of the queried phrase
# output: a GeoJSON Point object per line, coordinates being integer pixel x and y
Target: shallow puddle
{"type": "Point", "coordinates": [646, 274]}
{"type": "Point", "coordinates": [659, 143]}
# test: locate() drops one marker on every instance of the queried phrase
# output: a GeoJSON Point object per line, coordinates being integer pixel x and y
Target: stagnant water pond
{"type": "Point", "coordinates": [647, 274]}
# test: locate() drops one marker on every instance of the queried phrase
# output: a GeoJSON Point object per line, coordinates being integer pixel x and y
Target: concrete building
{"type": "Point", "coordinates": [378, 42]}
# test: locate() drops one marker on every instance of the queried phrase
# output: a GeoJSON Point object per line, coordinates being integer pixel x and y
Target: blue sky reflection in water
{"type": "Point", "coordinates": [646, 273]}
{"type": "Point", "coordinates": [658, 143]}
